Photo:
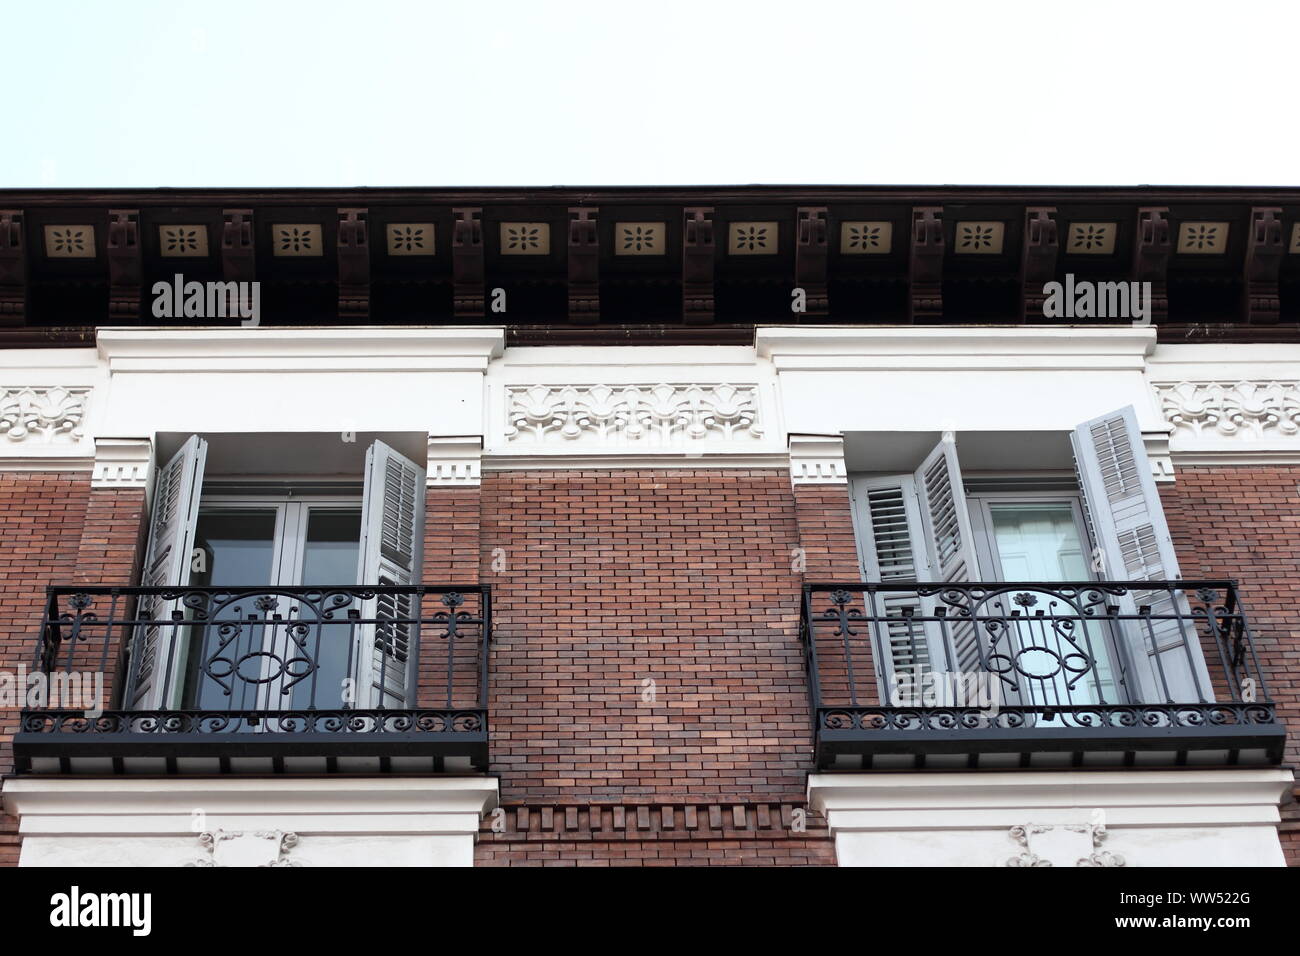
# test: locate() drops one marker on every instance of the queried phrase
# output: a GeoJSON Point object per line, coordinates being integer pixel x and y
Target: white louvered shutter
{"type": "Point", "coordinates": [892, 550]}
{"type": "Point", "coordinates": [1129, 529]}
{"type": "Point", "coordinates": [946, 528]}
{"type": "Point", "coordinates": [167, 564]}
{"type": "Point", "coordinates": [392, 522]}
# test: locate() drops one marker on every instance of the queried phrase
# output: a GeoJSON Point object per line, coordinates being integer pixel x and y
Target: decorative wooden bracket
{"type": "Point", "coordinates": [354, 263]}
{"type": "Point", "coordinates": [584, 264]}
{"type": "Point", "coordinates": [1151, 257]}
{"type": "Point", "coordinates": [13, 268]}
{"type": "Point", "coordinates": [810, 259]}
{"type": "Point", "coordinates": [467, 263]}
{"type": "Point", "coordinates": [1263, 260]}
{"type": "Point", "coordinates": [925, 268]}
{"type": "Point", "coordinates": [125, 269]}
{"type": "Point", "coordinates": [238, 263]}
{"type": "Point", "coordinates": [697, 265]}
{"type": "Point", "coordinates": [1038, 264]}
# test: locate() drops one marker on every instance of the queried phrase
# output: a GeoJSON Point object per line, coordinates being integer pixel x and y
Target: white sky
{"type": "Point", "coordinates": [499, 92]}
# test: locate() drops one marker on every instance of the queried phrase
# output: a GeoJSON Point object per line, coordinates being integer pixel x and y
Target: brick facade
{"type": "Point", "coordinates": [646, 649]}
{"type": "Point", "coordinates": [746, 833]}
{"type": "Point", "coordinates": [646, 635]}
{"type": "Point", "coordinates": [649, 703]}
{"type": "Point", "coordinates": [42, 520]}
{"type": "Point", "coordinates": [1243, 522]}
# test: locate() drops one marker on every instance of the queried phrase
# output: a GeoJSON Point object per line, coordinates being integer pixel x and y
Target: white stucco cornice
{"type": "Point", "coordinates": [314, 349]}
{"type": "Point", "coordinates": [911, 348]}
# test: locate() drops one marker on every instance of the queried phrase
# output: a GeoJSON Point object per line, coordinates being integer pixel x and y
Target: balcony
{"type": "Point", "coordinates": [371, 679]}
{"type": "Point", "coordinates": [909, 675]}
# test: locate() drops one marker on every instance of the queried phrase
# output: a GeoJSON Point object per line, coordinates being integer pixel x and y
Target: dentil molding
{"type": "Point", "coordinates": [122, 463]}
{"type": "Point", "coordinates": [817, 460]}
{"type": "Point", "coordinates": [455, 462]}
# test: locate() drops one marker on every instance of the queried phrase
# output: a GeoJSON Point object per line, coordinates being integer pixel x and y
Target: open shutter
{"type": "Point", "coordinates": [167, 564]}
{"type": "Point", "coordinates": [946, 527]}
{"type": "Point", "coordinates": [392, 521]}
{"type": "Point", "coordinates": [1130, 533]}
{"type": "Point", "coordinates": [892, 550]}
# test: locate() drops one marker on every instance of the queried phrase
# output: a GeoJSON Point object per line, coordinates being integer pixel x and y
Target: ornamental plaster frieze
{"type": "Point", "coordinates": [662, 415]}
{"type": "Point", "coordinates": [1229, 403]}
{"type": "Point", "coordinates": [1263, 413]}
{"type": "Point", "coordinates": [43, 414]}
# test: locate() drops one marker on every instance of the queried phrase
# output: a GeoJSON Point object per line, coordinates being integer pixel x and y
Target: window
{"type": "Point", "coordinates": [274, 545]}
{"type": "Point", "coordinates": [931, 526]}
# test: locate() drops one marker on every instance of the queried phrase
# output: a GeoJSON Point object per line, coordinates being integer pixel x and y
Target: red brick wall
{"type": "Point", "coordinates": [112, 537]}
{"type": "Point", "coordinates": [1244, 523]}
{"type": "Point", "coordinates": [451, 535]}
{"type": "Point", "coordinates": [615, 579]}
{"type": "Point", "coordinates": [829, 547]}
{"type": "Point", "coordinates": [825, 521]}
{"type": "Point", "coordinates": [612, 580]}
{"type": "Point", "coordinates": [451, 557]}
{"type": "Point", "coordinates": [41, 520]}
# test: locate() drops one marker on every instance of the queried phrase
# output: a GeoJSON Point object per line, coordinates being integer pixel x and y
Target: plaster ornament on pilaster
{"type": "Point", "coordinates": [1053, 845]}
{"type": "Point", "coordinates": [122, 463]}
{"type": "Point", "coordinates": [235, 848]}
{"type": "Point", "coordinates": [817, 460]}
{"type": "Point", "coordinates": [454, 461]}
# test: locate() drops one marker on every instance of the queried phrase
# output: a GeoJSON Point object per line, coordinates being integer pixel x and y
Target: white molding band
{"type": "Point", "coordinates": [1223, 817]}
{"type": "Point", "coordinates": [817, 460]}
{"type": "Point", "coordinates": [40, 463]}
{"type": "Point", "coordinates": [385, 821]}
{"type": "Point", "coordinates": [122, 463]}
{"type": "Point", "coordinates": [661, 459]}
{"type": "Point", "coordinates": [454, 461]}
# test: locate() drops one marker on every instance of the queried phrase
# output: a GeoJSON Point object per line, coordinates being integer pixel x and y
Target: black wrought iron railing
{"type": "Point", "coordinates": [956, 671]}
{"type": "Point", "coordinates": [382, 671]}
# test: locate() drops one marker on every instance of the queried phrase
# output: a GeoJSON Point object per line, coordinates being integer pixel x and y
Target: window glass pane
{"type": "Point", "coordinates": [237, 547]}
{"type": "Point", "coordinates": [329, 558]}
{"type": "Point", "coordinates": [1038, 542]}
{"type": "Point", "coordinates": [330, 552]}
{"type": "Point", "coordinates": [1054, 656]}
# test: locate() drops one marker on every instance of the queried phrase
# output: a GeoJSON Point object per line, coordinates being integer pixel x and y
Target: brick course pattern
{"type": "Point", "coordinates": [762, 834]}
{"type": "Point", "coordinates": [1244, 523]}
{"type": "Point", "coordinates": [646, 640]}
{"type": "Point", "coordinates": [42, 518]}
